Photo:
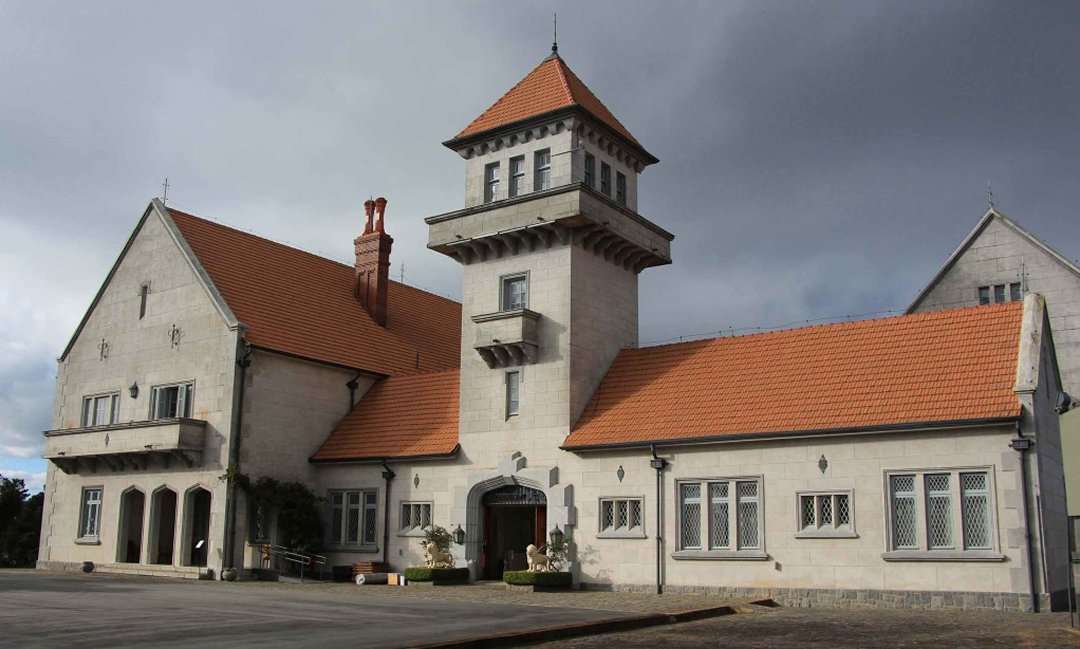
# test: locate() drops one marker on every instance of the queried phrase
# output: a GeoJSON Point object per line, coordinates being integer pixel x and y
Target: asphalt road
{"type": "Point", "coordinates": [49, 610]}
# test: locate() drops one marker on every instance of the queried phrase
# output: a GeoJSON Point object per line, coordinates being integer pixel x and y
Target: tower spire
{"type": "Point", "coordinates": [555, 35]}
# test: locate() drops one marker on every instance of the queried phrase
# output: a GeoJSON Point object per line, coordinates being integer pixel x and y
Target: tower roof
{"type": "Point", "coordinates": [551, 86]}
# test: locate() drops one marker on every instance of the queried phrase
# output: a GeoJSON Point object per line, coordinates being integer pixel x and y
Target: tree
{"type": "Point", "coordinates": [20, 523]}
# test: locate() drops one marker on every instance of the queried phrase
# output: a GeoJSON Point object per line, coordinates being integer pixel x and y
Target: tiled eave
{"type": "Point", "coordinates": [137, 446]}
{"type": "Point", "coordinates": [922, 426]}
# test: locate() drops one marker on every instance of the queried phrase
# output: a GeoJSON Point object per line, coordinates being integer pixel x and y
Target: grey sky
{"type": "Point", "coordinates": [817, 159]}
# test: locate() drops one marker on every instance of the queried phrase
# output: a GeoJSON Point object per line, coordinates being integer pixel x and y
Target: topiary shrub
{"type": "Point", "coordinates": [418, 573]}
{"type": "Point", "coordinates": [526, 578]}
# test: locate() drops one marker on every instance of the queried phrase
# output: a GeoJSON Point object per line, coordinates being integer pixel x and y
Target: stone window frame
{"type": "Point", "coordinates": [605, 179]}
{"type": "Point", "coordinates": [614, 532]}
{"type": "Point", "coordinates": [85, 506]}
{"type": "Point", "coordinates": [541, 170]}
{"type": "Point", "coordinates": [183, 405]}
{"type": "Point", "coordinates": [836, 531]}
{"type": "Point", "coordinates": [732, 552]}
{"type": "Point", "coordinates": [513, 392]}
{"type": "Point", "coordinates": [368, 501]}
{"type": "Point", "coordinates": [590, 170]}
{"type": "Point", "coordinates": [505, 282]}
{"type": "Point", "coordinates": [516, 173]}
{"type": "Point", "coordinates": [491, 182]}
{"type": "Point", "coordinates": [620, 188]}
{"type": "Point", "coordinates": [89, 409]}
{"type": "Point", "coordinates": [415, 530]}
{"type": "Point", "coordinates": [923, 552]}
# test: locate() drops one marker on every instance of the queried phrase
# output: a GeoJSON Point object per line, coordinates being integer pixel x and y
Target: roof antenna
{"type": "Point", "coordinates": [165, 196]}
{"type": "Point", "coordinates": [989, 195]}
{"type": "Point", "coordinates": [555, 37]}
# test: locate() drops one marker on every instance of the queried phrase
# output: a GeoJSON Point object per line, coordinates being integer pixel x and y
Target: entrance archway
{"type": "Point", "coordinates": [197, 526]}
{"type": "Point", "coordinates": [129, 538]}
{"type": "Point", "coordinates": [514, 517]}
{"type": "Point", "coordinates": [162, 526]}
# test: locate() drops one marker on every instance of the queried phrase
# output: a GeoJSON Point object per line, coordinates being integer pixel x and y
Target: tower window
{"type": "Point", "coordinates": [491, 182]}
{"type": "Point", "coordinates": [1014, 292]}
{"type": "Point", "coordinates": [984, 295]}
{"type": "Point", "coordinates": [515, 292]}
{"type": "Point", "coordinates": [513, 385]}
{"type": "Point", "coordinates": [517, 176]}
{"type": "Point", "coordinates": [543, 170]}
{"type": "Point", "coordinates": [605, 178]}
{"type": "Point", "coordinates": [999, 293]}
{"type": "Point", "coordinates": [590, 170]}
{"type": "Point", "coordinates": [620, 188]}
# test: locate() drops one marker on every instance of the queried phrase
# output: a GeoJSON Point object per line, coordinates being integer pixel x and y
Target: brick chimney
{"type": "Point", "coordinates": [373, 261]}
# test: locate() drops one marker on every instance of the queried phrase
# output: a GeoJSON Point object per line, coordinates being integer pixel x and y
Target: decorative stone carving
{"type": "Point", "coordinates": [537, 562]}
{"type": "Point", "coordinates": [436, 558]}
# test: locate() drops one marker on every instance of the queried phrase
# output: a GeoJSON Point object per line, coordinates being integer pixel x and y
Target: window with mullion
{"type": "Point", "coordinates": [824, 514]}
{"type": "Point", "coordinates": [101, 410]}
{"type": "Point", "coordinates": [542, 170]}
{"type": "Point", "coordinates": [90, 519]}
{"type": "Point", "coordinates": [352, 518]}
{"type": "Point", "coordinates": [730, 518]}
{"type": "Point", "coordinates": [941, 512]}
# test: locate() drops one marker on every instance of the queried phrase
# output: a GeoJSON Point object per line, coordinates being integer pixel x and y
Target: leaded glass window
{"type": "Point", "coordinates": [942, 510]}
{"type": "Point", "coordinates": [975, 510]}
{"type": "Point", "coordinates": [731, 516]}
{"type": "Point", "coordinates": [719, 530]}
{"type": "Point", "coordinates": [415, 516]}
{"type": "Point", "coordinates": [620, 515]}
{"type": "Point", "coordinates": [691, 516]}
{"type": "Point", "coordinates": [938, 511]}
{"type": "Point", "coordinates": [352, 517]}
{"type": "Point", "coordinates": [903, 519]}
{"type": "Point", "coordinates": [821, 514]}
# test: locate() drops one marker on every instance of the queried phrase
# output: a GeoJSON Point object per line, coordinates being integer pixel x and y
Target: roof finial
{"type": "Point", "coordinates": [989, 195]}
{"type": "Point", "coordinates": [555, 37]}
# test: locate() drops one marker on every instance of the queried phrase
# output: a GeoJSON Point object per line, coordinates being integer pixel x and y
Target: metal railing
{"type": "Point", "coordinates": [295, 557]}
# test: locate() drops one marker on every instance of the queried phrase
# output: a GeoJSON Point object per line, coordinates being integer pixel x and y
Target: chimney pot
{"type": "Point", "coordinates": [369, 211]}
{"type": "Point", "coordinates": [373, 262]}
{"type": "Point", "coordinates": [380, 211]}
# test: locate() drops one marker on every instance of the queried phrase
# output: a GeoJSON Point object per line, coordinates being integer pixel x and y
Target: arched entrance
{"type": "Point", "coordinates": [197, 526]}
{"type": "Point", "coordinates": [129, 538]}
{"type": "Point", "coordinates": [514, 517]}
{"type": "Point", "coordinates": [162, 526]}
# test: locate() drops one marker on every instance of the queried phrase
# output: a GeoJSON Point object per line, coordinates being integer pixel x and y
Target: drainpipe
{"type": "Point", "coordinates": [242, 364]}
{"type": "Point", "coordinates": [659, 463]}
{"type": "Point", "coordinates": [352, 385]}
{"type": "Point", "coordinates": [1022, 444]}
{"type": "Point", "coordinates": [387, 475]}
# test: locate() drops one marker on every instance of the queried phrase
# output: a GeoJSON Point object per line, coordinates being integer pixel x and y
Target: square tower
{"type": "Point", "coordinates": [551, 244]}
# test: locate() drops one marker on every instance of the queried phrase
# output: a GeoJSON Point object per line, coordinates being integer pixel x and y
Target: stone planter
{"type": "Point", "coordinates": [87, 566]}
{"type": "Point", "coordinates": [229, 574]}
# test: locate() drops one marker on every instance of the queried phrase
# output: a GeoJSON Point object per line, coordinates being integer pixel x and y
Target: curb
{"type": "Point", "coordinates": [590, 628]}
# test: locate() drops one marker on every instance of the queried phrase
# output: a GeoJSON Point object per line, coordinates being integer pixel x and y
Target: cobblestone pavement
{"type": "Point", "coordinates": [804, 628]}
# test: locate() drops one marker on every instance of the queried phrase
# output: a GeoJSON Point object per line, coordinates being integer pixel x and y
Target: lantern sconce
{"type": "Point", "coordinates": [134, 390]}
{"type": "Point", "coordinates": [459, 535]}
{"type": "Point", "coordinates": [557, 536]}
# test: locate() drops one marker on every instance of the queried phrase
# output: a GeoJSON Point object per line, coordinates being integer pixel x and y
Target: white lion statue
{"type": "Point", "coordinates": [538, 562]}
{"type": "Point", "coordinates": [436, 558]}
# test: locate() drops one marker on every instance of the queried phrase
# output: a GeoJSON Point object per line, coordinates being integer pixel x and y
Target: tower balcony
{"type": "Point", "coordinates": [129, 445]}
{"type": "Point", "coordinates": [507, 338]}
{"type": "Point", "coordinates": [572, 214]}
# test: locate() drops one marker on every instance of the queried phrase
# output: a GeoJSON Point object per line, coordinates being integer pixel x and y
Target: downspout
{"type": "Point", "coordinates": [242, 364]}
{"type": "Point", "coordinates": [659, 463]}
{"type": "Point", "coordinates": [1021, 449]}
{"type": "Point", "coordinates": [352, 385]}
{"type": "Point", "coordinates": [387, 475]}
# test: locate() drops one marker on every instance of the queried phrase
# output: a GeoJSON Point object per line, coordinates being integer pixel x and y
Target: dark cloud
{"type": "Point", "coordinates": [818, 159]}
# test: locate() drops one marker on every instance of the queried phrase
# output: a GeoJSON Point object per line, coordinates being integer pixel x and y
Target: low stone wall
{"type": "Point", "coordinates": [850, 598]}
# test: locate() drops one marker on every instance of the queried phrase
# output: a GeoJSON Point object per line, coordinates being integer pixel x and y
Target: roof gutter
{"type": "Point", "coordinates": [382, 459]}
{"type": "Point", "coordinates": [360, 372]}
{"type": "Point", "coordinates": [764, 436]}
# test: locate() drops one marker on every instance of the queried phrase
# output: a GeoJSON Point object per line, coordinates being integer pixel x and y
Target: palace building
{"type": "Point", "coordinates": [906, 461]}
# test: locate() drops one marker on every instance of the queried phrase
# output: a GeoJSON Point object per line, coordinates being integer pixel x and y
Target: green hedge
{"type": "Point", "coordinates": [422, 573]}
{"type": "Point", "coordinates": [526, 578]}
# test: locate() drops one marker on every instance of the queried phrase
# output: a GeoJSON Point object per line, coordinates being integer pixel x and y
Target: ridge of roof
{"type": "Point", "coordinates": [302, 304]}
{"type": "Point", "coordinates": [939, 366]}
{"type": "Point", "coordinates": [550, 86]}
{"type": "Point", "coordinates": [991, 214]}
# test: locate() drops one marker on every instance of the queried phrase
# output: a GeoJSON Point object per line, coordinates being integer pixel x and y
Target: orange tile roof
{"type": "Point", "coordinates": [940, 366]}
{"type": "Point", "coordinates": [400, 416]}
{"type": "Point", "coordinates": [550, 86]}
{"type": "Point", "coordinates": [302, 304]}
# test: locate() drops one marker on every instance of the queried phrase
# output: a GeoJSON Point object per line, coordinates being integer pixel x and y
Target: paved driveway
{"type": "Point", "coordinates": [48, 610]}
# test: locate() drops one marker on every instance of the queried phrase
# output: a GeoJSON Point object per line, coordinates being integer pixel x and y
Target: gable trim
{"type": "Point", "coordinates": [966, 243]}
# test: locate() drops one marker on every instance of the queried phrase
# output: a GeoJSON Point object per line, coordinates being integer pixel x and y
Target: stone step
{"type": "Point", "coordinates": [174, 572]}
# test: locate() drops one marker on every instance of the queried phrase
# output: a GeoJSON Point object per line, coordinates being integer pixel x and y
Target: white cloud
{"type": "Point", "coordinates": [35, 481]}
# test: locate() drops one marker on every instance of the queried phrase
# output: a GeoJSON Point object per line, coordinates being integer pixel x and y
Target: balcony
{"type": "Point", "coordinates": [507, 338]}
{"type": "Point", "coordinates": [118, 447]}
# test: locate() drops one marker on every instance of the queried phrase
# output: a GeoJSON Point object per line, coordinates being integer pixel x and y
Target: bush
{"type": "Point", "coordinates": [526, 578]}
{"type": "Point", "coordinates": [437, 575]}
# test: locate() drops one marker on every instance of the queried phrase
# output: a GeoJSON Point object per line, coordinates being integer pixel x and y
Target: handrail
{"type": "Point", "coordinates": [295, 557]}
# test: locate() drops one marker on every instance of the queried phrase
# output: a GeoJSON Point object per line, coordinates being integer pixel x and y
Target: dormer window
{"type": "Point", "coordinates": [543, 170]}
{"type": "Point", "coordinates": [517, 176]}
{"type": "Point", "coordinates": [605, 178]}
{"type": "Point", "coordinates": [491, 182]}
